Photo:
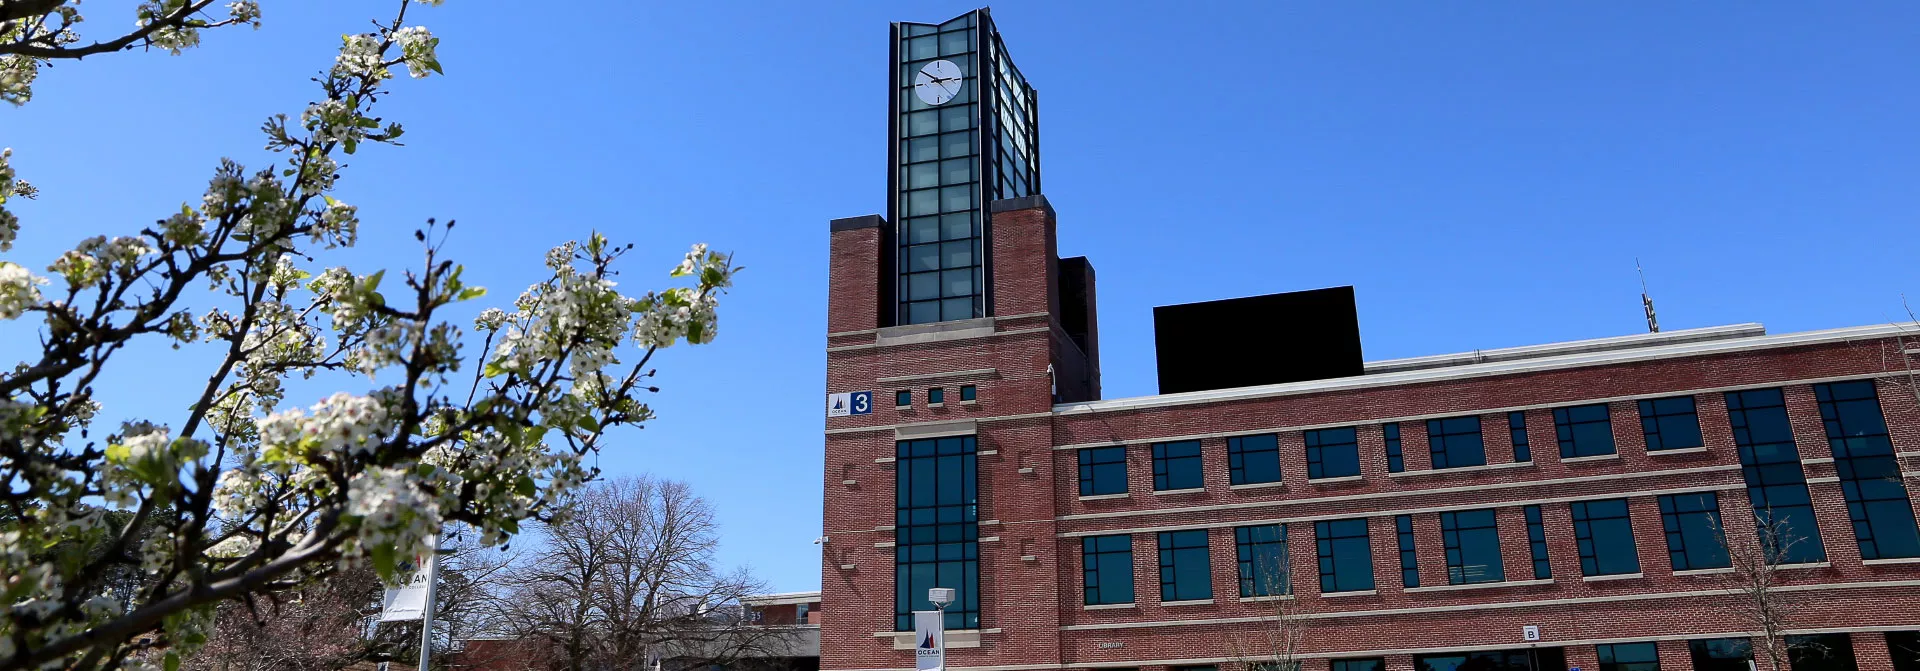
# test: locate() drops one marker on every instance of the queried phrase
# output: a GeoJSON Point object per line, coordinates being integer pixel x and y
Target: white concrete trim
{"type": "Point", "coordinates": [896, 427]}
{"type": "Point", "coordinates": [964, 427]}
{"type": "Point", "coordinates": [1695, 594]}
{"type": "Point", "coordinates": [937, 376]}
{"type": "Point", "coordinates": [1336, 595]}
{"type": "Point", "coordinates": [1461, 469]}
{"type": "Point", "coordinates": [1886, 562]}
{"type": "Point", "coordinates": [1613, 576]}
{"type": "Point", "coordinates": [1518, 366]}
{"type": "Point", "coordinates": [1477, 585]}
{"type": "Point", "coordinates": [1612, 456]}
{"type": "Point", "coordinates": [1813, 564]}
{"type": "Point", "coordinates": [1257, 599]}
{"type": "Point", "coordinates": [1683, 450]}
{"type": "Point", "coordinates": [780, 599]}
{"type": "Point", "coordinates": [1817, 460]}
{"type": "Point", "coordinates": [1703, 571]}
{"type": "Point", "coordinates": [1107, 606]}
{"type": "Point", "coordinates": [1329, 481]}
{"type": "Point", "coordinates": [1258, 485]}
{"type": "Point", "coordinates": [1405, 493]}
{"type": "Point", "coordinates": [1188, 602]}
{"type": "Point", "coordinates": [1172, 492]}
{"type": "Point", "coordinates": [1815, 481]}
{"type": "Point", "coordinates": [1106, 497]}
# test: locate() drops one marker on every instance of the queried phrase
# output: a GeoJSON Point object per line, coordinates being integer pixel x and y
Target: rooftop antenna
{"type": "Point", "coordinates": [1653, 323]}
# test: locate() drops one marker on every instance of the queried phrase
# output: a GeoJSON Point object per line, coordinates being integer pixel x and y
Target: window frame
{"type": "Point", "coordinates": [1517, 432]}
{"type": "Point", "coordinates": [1191, 465]}
{"type": "Point", "coordinates": [1327, 545]}
{"type": "Point", "coordinates": [1318, 444]}
{"type": "Point", "coordinates": [1676, 512]}
{"type": "Point", "coordinates": [1654, 428]}
{"type": "Point", "coordinates": [1409, 553]}
{"type": "Point", "coordinates": [1608, 656]}
{"type": "Point", "coordinates": [1091, 459]}
{"type": "Point", "coordinates": [1537, 542]}
{"type": "Point", "coordinates": [903, 398]}
{"type": "Point", "coordinates": [1175, 548]}
{"type": "Point", "coordinates": [1879, 505]}
{"type": "Point", "coordinates": [1460, 527]}
{"type": "Point", "coordinates": [1567, 429]}
{"type": "Point", "coordinates": [1396, 461]}
{"type": "Point", "coordinates": [1445, 435]}
{"type": "Point", "coordinates": [968, 392]}
{"type": "Point", "coordinates": [1247, 555]}
{"type": "Point", "coordinates": [1584, 519]}
{"type": "Point", "coordinates": [1772, 469]}
{"type": "Point", "coordinates": [1238, 456]}
{"type": "Point", "coordinates": [1092, 582]}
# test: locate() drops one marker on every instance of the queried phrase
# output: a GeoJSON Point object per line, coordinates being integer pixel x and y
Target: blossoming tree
{"type": "Point", "coordinates": [114, 548]}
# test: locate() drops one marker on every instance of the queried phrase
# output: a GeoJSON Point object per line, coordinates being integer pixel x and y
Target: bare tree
{"type": "Point", "coordinates": [319, 626]}
{"type": "Point", "coordinates": [1756, 583]}
{"type": "Point", "coordinates": [627, 578]}
{"type": "Point", "coordinates": [1279, 640]}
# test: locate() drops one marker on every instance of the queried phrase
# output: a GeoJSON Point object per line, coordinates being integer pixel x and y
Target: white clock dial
{"type": "Point", "coordinates": [938, 82]}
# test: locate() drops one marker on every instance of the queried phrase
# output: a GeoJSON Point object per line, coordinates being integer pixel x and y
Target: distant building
{"type": "Point", "coordinates": [782, 633]}
{"type": "Point", "coordinates": [1548, 507]}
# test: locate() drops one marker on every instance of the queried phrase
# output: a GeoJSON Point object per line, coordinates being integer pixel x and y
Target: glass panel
{"type": "Point", "coordinates": [958, 117]}
{"type": "Point", "coordinates": [956, 198]}
{"type": "Point", "coordinates": [954, 145]}
{"type": "Point", "coordinates": [923, 257]}
{"type": "Point", "coordinates": [923, 149]}
{"type": "Point", "coordinates": [958, 254]}
{"type": "Point", "coordinates": [923, 123]}
{"type": "Point", "coordinates": [923, 286]}
{"type": "Point", "coordinates": [926, 201]}
{"type": "Point", "coordinates": [923, 47]}
{"type": "Point", "coordinates": [956, 170]}
{"type": "Point", "coordinates": [956, 283]}
{"type": "Point", "coordinates": [923, 313]}
{"type": "Point", "coordinates": [925, 229]}
{"type": "Point", "coordinates": [923, 175]}
{"type": "Point", "coordinates": [956, 226]}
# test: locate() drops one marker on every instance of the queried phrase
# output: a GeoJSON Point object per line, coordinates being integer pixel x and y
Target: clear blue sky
{"type": "Point", "coordinates": [1483, 173]}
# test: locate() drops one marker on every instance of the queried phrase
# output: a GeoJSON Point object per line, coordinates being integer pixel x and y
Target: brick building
{"type": "Point", "coordinates": [1570, 505]}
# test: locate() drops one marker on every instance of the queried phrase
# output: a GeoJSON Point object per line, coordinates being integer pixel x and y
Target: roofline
{"type": "Point", "coordinates": [1582, 353]}
{"type": "Point", "coordinates": [782, 598]}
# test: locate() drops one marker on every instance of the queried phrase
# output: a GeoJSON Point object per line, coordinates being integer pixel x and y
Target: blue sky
{"type": "Point", "coordinates": [1483, 173]}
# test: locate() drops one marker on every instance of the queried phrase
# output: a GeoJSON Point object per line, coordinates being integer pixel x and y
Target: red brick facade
{"type": "Point", "coordinates": [1032, 518]}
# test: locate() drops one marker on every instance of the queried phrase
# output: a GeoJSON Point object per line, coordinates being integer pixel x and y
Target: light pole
{"type": "Point", "coordinates": [930, 632]}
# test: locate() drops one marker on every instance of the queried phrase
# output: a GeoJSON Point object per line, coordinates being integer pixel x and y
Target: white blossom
{"type": "Point", "coordinates": [360, 57]}
{"type": "Point", "coordinates": [19, 289]}
{"type": "Point", "coordinates": [417, 47]}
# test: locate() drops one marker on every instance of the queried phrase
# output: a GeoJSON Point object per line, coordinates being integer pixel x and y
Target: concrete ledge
{"type": "Point", "coordinates": [1335, 595]}
{"type": "Point", "coordinates": [1684, 450]}
{"type": "Point", "coordinates": [1258, 485]}
{"type": "Point", "coordinates": [1035, 201]}
{"type": "Point", "coordinates": [959, 329]}
{"type": "Point", "coordinates": [1106, 606]}
{"type": "Point", "coordinates": [856, 223]}
{"type": "Point", "coordinates": [1329, 481]}
{"type": "Point", "coordinates": [1615, 576]}
{"type": "Point", "coordinates": [1885, 562]}
{"type": "Point", "coordinates": [1590, 458]}
{"type": "Point", "coordinates": [1814, 564]}
{"type": "Point", "coordinates": [1170, 492]}
{"type": "Point", "coordinates": [1256, 599]}
{"type": "Point", "coordinates": [965, 427]}
{"type": "Point", "coordinates": [1188, 602]}
{"type": "Point", "coordinates": [1105, 497]}
{"type": "Point", "coordinates": [1704, 571]}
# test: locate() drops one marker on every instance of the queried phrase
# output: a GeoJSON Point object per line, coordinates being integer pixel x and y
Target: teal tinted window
{"type": "Point", "coordinates": [1605, 537]}
{"type": "Point", "coordinates": [1721, 654]}
{"type": "Point", "coordinates": [1332, 453]}
{"type": "Point", "coordinates": [1473, 547]}
{"type": "Point", "coordinates": [1455, 442]}
{"type": "Point", "coordinates": [1537, 543]}
{"type": "Point", "coordinates": [1368, 664]}
{"type": "Point", "coordinates": [1262, 555]}
{"type": "Point", "coordinates": [1692, 525]}
{"type": "Point", "coordinates": [936, 529]}
{"type": "Point", "coordinates": [1391, 433]}
{"type": "Point", "coordinates": [1346, 559]}
{"type": "Point", "coordinates": [1409, 559]}
{"type": "Point", "coordinates": [1584, 431]}
{"type": "Point", "coordinates": [1670, 423]}
{"type": "Point", "coordinates": [1776, 483]}
{"type": "Point", "coordinates": [1108, 569]}
{"type": "Point", "coordinates": [968, 392]}
{"type": "Point", "coordinates": [1103, 470]}
{"type": "Point", "coordinates": [903, 397]}
{"type": "Point", "coordinates": [936, 395]}
{"type": "Point", "coordinates": [1628, 657]}
{"type": "Point", "coordinates": [1870, 475]}
{"type": "Point", "coordinates": [1517, 429]}
{"type": "Point", "coordinates": [1253, 459]}
{"type": "Point", "coordinates": [1184, 571]}
{"type": "Point", "coordinates": [1176, 465]}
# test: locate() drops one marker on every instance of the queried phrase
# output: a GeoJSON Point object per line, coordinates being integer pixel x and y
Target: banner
{"type": "Point", "coordinates": [410, 602]}
{"type": "Point", "coordinates": [929, 640]}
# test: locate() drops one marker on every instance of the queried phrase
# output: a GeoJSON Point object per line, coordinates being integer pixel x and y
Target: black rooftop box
{"type": "Point", "coordinates": [1271, 339]}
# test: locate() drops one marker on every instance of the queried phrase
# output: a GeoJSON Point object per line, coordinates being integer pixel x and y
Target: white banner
{"type": "Point", "coordinates": [410, 602]}
{"type": "Point", "coordinates": [929, 640]}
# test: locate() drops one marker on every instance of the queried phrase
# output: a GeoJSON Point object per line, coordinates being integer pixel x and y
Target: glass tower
{"type": "Point", "coordinates": [965, 133]}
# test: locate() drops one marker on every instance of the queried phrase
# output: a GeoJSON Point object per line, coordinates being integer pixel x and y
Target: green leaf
{"type": "Point", "coordinates": [351, 145]}
{"type": "Point", "coordinates": [493, 370]}
{"type": "Point", "coordinates": [382, 560]}
{"type": "Point", "coordinates": [525, 486]}
{"type": "Point", "coordinates": [587, 423]}
{"type": "Point", "coordinates": [471, 293]}
{"type": "Point", "coordinates": [172, 662]}
{"type": "Point", "coordinates": [373, 281]}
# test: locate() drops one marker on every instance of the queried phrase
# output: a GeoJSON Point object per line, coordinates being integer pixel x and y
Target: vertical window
{"type": "Point", "coordinates": [1346, 559]}
{"type": "Point", "coordinates": [1392, 433]}
{"type": "Point", "coordinates": [1456, 442]}
{"type": "Point", "coordinates": [1692, 523]}
{"type": "Point", "coordinates": [1670, 423]}
{"type": "Point", "coordinates": [1409, 559]}
{"type": "Point", "coordinates": [1369, 664]}
{"type": "Point", "coordinates": [1108, 568]}
{"type": "Point", "coordinates": [1821, 652]}
{"type": "Point", "coordinates": [1628, 657]}
{"type": "Point", "coordinates": [936, 530]}
{"type": "Point", "coordinates": [1584, 430]}
{"type": "Point", "coordinates": [1537, 543]}
{"type": "Point", "coordinates": [1721, 654]}
{"type": "Point", "coordinates": [1103, 470]}
{"type": "Point", "coordinates": [1605, 535]}
{"type": "Point", "coordinates": [903, 398]}
{"type": "Point", "coordinates": [968, 392]}
{"type": "Point", "coordinates": [1185, 574]}
{"type": "Point", "coordinates": [1332, 453]}
{"type": "Point", "coordinates": [1904, 648]}
{"type": "Point", "coordinates": [1776, 483]}
{"type": "Point", "coordinates": [1869, 473]}
{"type": "Point", "coordinates": [1473, 547]}
{"type": "Point", "coordinates": [1251, 459]}
{"type": "Point", "coordinates": [1517, 427]}
{"type": "Point", "coordinates": [1176, 465]}
{"type": "Point", "coordinates": [936, 396]}
{"type": "Point", "coordinates": [1262, 554]}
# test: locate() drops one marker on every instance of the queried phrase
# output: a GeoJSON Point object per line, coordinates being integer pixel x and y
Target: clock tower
{"type": "Point", "coordinates": [965, 132]}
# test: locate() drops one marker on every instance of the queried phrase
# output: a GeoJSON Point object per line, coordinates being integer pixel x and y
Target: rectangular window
{"type": "Point", "coordinates": [1869, 472]}
{"type": "Point", "coordinates": [1670, 423]}
{"type": "Point", "coordinates": [936, 530]}
{"type": "Point", "coordinates": [1332, 453]}
{"type": "Point", "coordinates": [1776, 483]}
{"type": "Point", "coordinates": [1176, 465]}
{"type": "Point", "coordinates": [1103, 470]}
{"type": "Point", "coordinates": [1392, 432]}
{"type": "Point", "coordinates": [1517, 427]}
{"type": "Point", "coordinates": [1455, 442]}
{"type": "Point", "coordinates": [1904, 648]}
{"type": "Point", "coordinates": [968, 392]}
{"type": "Point", "coordinates": [1252, 459]}
{"type": "Point", "coordinates": [1409, 559]}
{"type": "Point", "coordinates": [902, 398]}
{"type": "Point", "coordinates": [1605, 535]}
{"type": "Point", "coordinates": [1628, 657]}
{"type": "Point", "coordinates": [1346, 559]}
{"type": "Point", "coordinates": [1692, 523]}
{"type": "Point", "coordinates": [1108, 569]}
{"type": "Point", "coordinates": [1473, 547]}
{"type": "Point", "coordinates": [1262, 554]}
{"type": "Point", "coordinates": [1584, 430]}
{"type": "Point", "coordinates": [1721, 654]}
{"type": "Point", "coordinates": [1537, 543]}
{"type": "Point", "coordinates": [1184, 571]}
{"type": "Point", "coordinates": [936, 396]}
{"type": "Point", "coordinates": [1821, 652]}
{"type": "Point", "coordinates": [1368, 664]}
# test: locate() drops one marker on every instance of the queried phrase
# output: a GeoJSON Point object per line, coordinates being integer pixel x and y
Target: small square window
{"type": "Point", "coordinates": [968, 392]}
{"type": "Point", "coordinates": [902, 398]}
{"type": "Point", "coordinates": [936, 396]}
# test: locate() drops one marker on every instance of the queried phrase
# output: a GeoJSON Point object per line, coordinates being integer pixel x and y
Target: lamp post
{"type": "Point", "coordinates": [930, 632]}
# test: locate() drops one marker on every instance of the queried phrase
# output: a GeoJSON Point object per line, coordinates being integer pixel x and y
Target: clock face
{"type": "Point", "coordinates": [938, 82]}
